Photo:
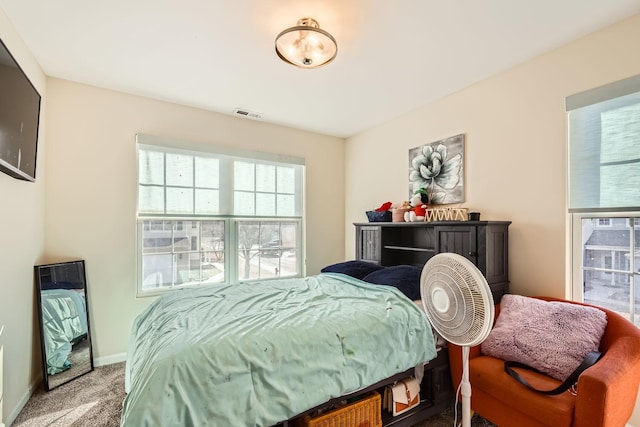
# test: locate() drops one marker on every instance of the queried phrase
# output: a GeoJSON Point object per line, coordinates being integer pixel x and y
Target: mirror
{"type": "Point", "coordinates": [64, 322]}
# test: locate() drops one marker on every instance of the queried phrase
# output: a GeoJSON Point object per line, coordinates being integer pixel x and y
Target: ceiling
{"type": "Point", "coordinates": [393, 56]}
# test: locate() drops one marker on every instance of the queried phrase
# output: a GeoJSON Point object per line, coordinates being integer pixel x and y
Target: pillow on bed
{"type": "Point", "coordinates": [551, 336]}
{"type": "Point", "coordinates": [356, 269]}
{"type": "Point", "coordinates": [404, 277]}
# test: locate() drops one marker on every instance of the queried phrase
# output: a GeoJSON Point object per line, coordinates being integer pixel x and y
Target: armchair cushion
{"type": "Point", "coordinates": [551, 336]}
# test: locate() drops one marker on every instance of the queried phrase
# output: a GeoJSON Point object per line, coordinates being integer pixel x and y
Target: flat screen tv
{"type": "Point", "coordinates": [19, 119]}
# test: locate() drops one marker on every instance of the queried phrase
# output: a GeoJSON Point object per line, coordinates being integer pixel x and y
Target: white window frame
{"type": "Point", "coordinates": [578, 213]}
{"type": "Point", "coordinates": [231, 221]}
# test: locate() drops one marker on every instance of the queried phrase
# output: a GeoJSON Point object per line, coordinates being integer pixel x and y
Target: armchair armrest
{"type": "Point", "coordinates": [607, 391]}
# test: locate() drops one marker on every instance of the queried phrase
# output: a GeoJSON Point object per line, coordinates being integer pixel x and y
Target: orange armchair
{"type": "Point", "coordinates": [607, 391]}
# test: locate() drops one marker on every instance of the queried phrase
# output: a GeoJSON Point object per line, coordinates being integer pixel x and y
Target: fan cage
{"type": "Point", "coordinates": [466, 316]}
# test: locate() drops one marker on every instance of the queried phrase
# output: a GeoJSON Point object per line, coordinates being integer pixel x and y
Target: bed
{"type": "Point", "coordinates": [259, 353]}
{"type": "Point", "coordinates": [64, 323]}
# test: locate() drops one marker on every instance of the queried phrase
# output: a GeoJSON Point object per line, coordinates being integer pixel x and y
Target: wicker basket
{"type": "Point", "coordinates": [362, 413]}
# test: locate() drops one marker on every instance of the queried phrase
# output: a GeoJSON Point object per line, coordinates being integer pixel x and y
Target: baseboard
{"type": "Point", "coordinates": [110, 360]}
{"type": "Point", "coordinates": [25, 398]}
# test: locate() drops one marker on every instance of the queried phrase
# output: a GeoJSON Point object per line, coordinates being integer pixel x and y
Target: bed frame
{"type": "Point", "coordinates": [436, 394]}
{"type": "Point", "coordinates": [436, 389]}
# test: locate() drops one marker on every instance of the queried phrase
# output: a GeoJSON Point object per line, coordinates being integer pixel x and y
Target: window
{"type": "Point", "coordinates": [609, 264]}
{"type": "Point", "coordinates": [604, 222]}
{"type": "Point", "coordinates": [604, 201]}
{"type": "Point", "coordinates": [216, 216]}
{"type": "Point", "coordinates": [636, 222]}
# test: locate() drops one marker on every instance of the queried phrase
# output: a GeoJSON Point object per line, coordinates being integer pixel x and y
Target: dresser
{"type": "Point", "coordinates": [485, 243]}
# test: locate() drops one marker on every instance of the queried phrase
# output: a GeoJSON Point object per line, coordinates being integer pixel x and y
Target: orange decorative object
{"type": "Point", "coordinates": [385, 207]}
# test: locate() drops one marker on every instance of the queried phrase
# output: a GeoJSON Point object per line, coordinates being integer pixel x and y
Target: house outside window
{"type": "Point", "coordinates": [211, 214]}
{"type": "Point", "coordinates": [610, 262]}
{"type": "Point", "coordinates": [604, 222]}
{"type": "Point", "coordinates": [604, 196]}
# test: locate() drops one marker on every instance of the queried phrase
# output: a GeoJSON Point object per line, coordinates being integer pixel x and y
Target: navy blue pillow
{"type": "Point", "coordinates": [404, 277]}
{"type": "Point", "coordinates": [356, 269]}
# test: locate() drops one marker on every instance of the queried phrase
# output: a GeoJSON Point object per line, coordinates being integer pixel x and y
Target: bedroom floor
{"type": "Point", "coordinates": [95, 400]}
{"type": "Point", "coordinates": [446, 418]}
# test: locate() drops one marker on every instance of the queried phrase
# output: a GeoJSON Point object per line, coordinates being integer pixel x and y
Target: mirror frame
{"type": "Point", "coordinates": [38, 269]}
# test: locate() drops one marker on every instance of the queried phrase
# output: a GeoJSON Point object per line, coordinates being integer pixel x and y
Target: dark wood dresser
{"type": "Point", "coordinates": [485, 243]}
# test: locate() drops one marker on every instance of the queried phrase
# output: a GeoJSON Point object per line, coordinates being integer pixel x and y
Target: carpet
{"type": "Point", "coordinates": [95, 400]}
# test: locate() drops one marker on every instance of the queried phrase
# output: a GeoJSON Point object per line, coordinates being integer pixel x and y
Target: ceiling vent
{"type": "Point", "coordinates": [248, 114]}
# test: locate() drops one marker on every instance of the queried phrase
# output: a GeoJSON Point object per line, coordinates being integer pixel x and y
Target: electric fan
{"type": "Point", "coordinates": [459, 304]}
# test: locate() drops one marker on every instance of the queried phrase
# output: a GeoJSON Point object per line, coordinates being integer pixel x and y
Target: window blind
{"type": "Point", "coordinates": [604, 148]}
{"type": "Point", "coordinates": [216, 181]}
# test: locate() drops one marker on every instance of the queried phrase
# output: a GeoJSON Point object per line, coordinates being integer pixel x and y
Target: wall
{"type": "Point", "coordinates": [515, 153]}
{"type": "Point", "coordinates": [515, 127]}
{"type": "Point", "coordinates": [91, 190]}
{"type": "Point", "coordinates": [21, 247]}
{"type": "Point", "coordinates": [1, 377]}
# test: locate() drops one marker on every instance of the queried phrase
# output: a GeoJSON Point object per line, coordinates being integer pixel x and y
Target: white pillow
{"type": "Point", "coordinates": [551, 336]}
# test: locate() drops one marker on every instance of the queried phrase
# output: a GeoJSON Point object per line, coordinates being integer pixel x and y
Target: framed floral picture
{"type": "Point", "coordinates": [437, 169]}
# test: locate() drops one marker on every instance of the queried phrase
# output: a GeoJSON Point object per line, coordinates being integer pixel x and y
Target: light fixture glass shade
{"type": "Point", "coordinates": [306, 45]}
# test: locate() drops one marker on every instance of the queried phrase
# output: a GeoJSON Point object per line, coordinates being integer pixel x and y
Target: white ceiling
{"type": "Point", "coordinates": [393, 55]}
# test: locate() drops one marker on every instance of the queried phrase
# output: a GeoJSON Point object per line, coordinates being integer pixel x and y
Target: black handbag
{"type": "Point", "coordinates": [569, 384]}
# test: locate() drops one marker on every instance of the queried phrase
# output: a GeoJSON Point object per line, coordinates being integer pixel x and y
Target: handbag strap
{"type": "Point", "coordinates": [406, 390]}
{"type": "Point", "coordinates": [589, 360]}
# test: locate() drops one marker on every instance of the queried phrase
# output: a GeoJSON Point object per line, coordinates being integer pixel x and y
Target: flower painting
{"type": "Point", "coordinates": [438, 169]}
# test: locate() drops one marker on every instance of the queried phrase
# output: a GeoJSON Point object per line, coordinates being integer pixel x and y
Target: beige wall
{"type": "Point", "coordinates": [515, 127]}
{"type": "Point", "coordinates": [91, 190]}
{"type": "Point", "coordinates": [21, 247]}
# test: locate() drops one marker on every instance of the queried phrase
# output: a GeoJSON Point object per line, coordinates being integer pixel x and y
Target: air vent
{"type": "Point", "coordinates": [248, 114]}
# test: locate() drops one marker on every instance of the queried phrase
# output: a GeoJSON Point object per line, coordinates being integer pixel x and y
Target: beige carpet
{"type": "Point", "coordinates": [95, 400]}
{"type": "Point", "coordinates": [92, 400]}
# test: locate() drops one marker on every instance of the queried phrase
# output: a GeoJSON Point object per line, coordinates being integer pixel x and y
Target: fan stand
{"type": "Point", "coordinates": [441, 304]}
{"type": "Point", "coordinates": [465, 389]}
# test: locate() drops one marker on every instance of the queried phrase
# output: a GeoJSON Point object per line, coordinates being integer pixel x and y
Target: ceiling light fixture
{"type": "Point", "coordinates": [306, 45]}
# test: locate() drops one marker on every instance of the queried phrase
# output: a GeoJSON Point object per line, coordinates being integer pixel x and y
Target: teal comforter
{"type": "Point", "coordinates": [64, 320]}
{"type": "Point", "coordinates": [257, 354]}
